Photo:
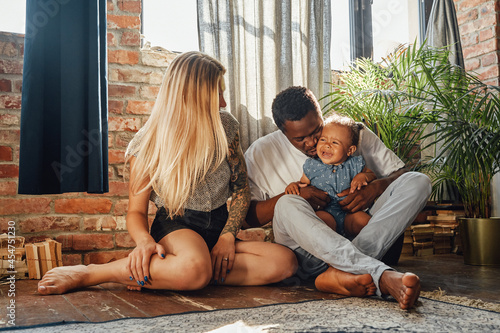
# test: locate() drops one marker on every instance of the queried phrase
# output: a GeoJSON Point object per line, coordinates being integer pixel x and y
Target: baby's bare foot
{"type": "Point", "coordinates": [62, 279]}
{"type": "Point", "coordinates": [343, 283]}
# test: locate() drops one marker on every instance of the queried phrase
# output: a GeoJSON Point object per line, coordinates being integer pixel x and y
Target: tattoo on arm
{"type": "Point", "coordinates": [240, 200]}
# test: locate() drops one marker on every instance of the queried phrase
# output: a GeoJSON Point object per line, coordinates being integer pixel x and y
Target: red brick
{"type": "Point", "coordinates": [10, 136]}
{"type": "Point", "coordinates": [85, 242]}
{"type": "Point", "coordinates": [25, 206]}
{"type": "Point", "coordinates": [491, 72]}
{"type": "Point", "coordinates": [9, 119]}
{"type": "Point", "coordinates": [115, 106]}
{"type": "Point", "coordinates": [8, 188]}
{"type": "Point", "coordinates": [468, 40]}
{"type": "Point", "coordinates": [121, 207]}
{"type": "Point", "coordinates": [139, 107]}
{"type": "Point", "coordinates": [111, 39]}
{"type": "Point", "coordinates": [480, 49]}
{"type": "Point", "coordinates": [467, 16]}
{"type": "Point", "coordinates": [465, 5]}
{"type": "Point", "coordinates": [124, 124]}
{"type": "Point", "coordinates": [485, 21]}
{"type": "Point", "coordinates": [72, 259]}
{"type": "Point", "coordinates": [104, 223]}
{"type": "Point", "coordinates": [5, 153]}
{"type": "Point", "coordinates": [486, 34]}
{"type": "Point", "coordinates": [11, 66]}
{"type": "Point", "coordinates": [130, 6]}
{"type": "Point", "coordinates": [82, 205]}
{"type": "Point", "coordinates": [489, 59]}
{"type": "Point", "coordinates": [123, 22]}
{"type": "Point", "coordinates": [124, 239]}
{"type": "Point", "coordinates": [110, 6]}
{"type": "Point", "coordinates": [149, 92]}
{"type": "Point", "coordinates": [18, 86]}
{"type": "Point", "coordinates": [9, 171]}
{"type": "Point", "coordinates": [104, 257]}
{"type": "Point", "coordinates": [131, 38]}
{"type": "Point", "coordinates": [46, 223]}
{"type": "Point", "coordinates": [123, 57]}
{"type": "Point", "coordinates": [134, 75]}
{"type": "Point", "coordinates": [5, 85]}
{"type": "Point", "coordinates": [36, 238]}
{"type": "Point", "coordinates": [123, 139]}
{"type": "Point", "coordinates": [6, 224]}
{"type": "Point", "coordinates": [116, 156]}
{"type": "Point", "coordinates": [8, 49]}
{"type": "Point", "coordinates": [121, 91]}
{"type": "Point", "coordinates": [118, 188]}
{"type": "Point", "coordinates": [10, 102]}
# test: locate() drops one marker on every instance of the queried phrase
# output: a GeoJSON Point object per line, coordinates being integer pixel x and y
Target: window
{"type": "Point", "coordinates": [13, 16]}
{"type": "Point", "coordinates": [170, 24]}
{"type": "Point", "coordinates": [374, 28]}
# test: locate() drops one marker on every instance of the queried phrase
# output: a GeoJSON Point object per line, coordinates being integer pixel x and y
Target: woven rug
{"type": "Point", "coordinates": [349, 314]}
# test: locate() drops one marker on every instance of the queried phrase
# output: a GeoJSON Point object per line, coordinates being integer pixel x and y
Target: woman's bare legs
{"type": "Point", "coordinates": [187, 266]}
{"type": "Point", "coordinates": [260, 263]}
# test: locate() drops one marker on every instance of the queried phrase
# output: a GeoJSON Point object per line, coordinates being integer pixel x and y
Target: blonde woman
{"type": "Point", "coordinates": [186, 159]}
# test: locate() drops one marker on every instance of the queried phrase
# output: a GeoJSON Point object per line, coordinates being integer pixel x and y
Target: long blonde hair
{"type": "Point", "coordinates": [184, 134]}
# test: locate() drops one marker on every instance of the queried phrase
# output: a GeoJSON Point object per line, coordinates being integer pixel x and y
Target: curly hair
{"type": "Point", "coordinates": [292, 104]}
{"type": "Point", "coordinates": [348, 122]}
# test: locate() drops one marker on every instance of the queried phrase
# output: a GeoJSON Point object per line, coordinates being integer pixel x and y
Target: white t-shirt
{"type": "Point", "coordinates": [273, 162]}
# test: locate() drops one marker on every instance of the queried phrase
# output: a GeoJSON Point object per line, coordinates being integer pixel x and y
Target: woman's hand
{"type": "Point", "coordinates": [139, 259]}
{"type": "Point", "coordinates": [223, 257]}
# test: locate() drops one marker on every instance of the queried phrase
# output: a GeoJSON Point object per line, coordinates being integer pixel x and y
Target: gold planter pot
{"type": "Point", "coordinates": [480, 240]}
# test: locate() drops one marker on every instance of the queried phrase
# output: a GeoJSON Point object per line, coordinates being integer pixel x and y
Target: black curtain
{"type": "Point", "coordinates": [64, 126]}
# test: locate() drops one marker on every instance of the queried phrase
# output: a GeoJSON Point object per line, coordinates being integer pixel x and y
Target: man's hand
{"type": "Point", "coordinates": [316, 198]}
{"type": "Point", "coordinates": [361, 199]}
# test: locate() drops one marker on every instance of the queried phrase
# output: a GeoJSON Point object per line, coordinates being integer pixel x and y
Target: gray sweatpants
{"type": "Point", "coordinates": [297, 226]}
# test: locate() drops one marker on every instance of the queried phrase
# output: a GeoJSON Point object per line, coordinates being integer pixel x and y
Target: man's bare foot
{"type": "Point", "coordinates": [343, 283]}
{"type": "Point", "coordinates": [405, 288]}
{"type": "Point", "coordinates": [62, 279]}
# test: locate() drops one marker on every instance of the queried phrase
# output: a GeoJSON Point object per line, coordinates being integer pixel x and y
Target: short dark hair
{"type": "Point", "coordinates": [293, 103]}
{"type": "Point", "coordinates": [348, 122]}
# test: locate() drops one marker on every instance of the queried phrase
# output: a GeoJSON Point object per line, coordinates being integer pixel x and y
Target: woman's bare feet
{"type": "Point", "coordinates": [343, 283]}
{"type": "Point", "coordinates": [62, 279]}
{"type": "Point", "coordinates": [405, 288]}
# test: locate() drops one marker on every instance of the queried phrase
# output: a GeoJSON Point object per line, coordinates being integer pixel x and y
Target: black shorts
{"type": "Point", "coordinates": [207, 224]}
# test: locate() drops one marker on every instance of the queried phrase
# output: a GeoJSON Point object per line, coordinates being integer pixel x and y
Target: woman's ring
{"type": "Point", "coordinates": [225, 259]}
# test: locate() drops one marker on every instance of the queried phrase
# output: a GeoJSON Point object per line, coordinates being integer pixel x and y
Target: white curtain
{"type": "Point", "coordinates": [266, 47]}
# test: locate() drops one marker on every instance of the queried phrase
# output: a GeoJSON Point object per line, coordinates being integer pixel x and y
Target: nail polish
{"type": "Point", "coordinates": [142, 283]}
{"type": "Point", "coordinates": [146, 278]}
{"type": "Point", "coordinates": [222, 280]}
{"type": "Point", "coordinates": [162, 255]}
{"type": "Point", "coordinates": [131, 278]}
{"type": "Point", "coordinates": [138, 282]}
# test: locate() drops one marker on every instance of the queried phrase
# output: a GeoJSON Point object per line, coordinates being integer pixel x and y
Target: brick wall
{"type": "Point", "coordinates": [92, 227]}
{"type": "Point", "coordinates": [479, 25]}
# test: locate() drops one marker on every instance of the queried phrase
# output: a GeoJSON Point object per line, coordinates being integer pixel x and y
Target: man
{"type": "Point", "coordinates": [341, 266]}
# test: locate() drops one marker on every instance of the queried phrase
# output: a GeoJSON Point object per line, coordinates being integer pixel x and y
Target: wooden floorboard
{"type": "Point", "coordinates": [113, 301]}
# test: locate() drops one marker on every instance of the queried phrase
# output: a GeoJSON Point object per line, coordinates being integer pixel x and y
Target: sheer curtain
{"type": "Point", "coordinates": [266, 47]}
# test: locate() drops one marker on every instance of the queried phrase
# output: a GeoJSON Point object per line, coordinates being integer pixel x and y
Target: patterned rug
{"type": "Point", "coordinates": [342, 315]}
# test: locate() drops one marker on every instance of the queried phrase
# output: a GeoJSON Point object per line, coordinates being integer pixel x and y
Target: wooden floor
{"type": "Point", "coordinates": [113, 301]}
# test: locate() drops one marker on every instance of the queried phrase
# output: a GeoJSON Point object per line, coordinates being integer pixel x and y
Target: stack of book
{"type": "Point", "coordinates": [423, 235]}
{"type": "Point", "coordinates": [407, 242]}
{"type": "Point", "coordinates": [42, 257]}
{"type": "Point", "coordinates": [447, 237]}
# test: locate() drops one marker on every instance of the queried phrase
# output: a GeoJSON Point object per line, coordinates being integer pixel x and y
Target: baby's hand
{"type": "Point", "coordinates": [358, 182]}
{"type": "Point", "coordinates": [293, 188]}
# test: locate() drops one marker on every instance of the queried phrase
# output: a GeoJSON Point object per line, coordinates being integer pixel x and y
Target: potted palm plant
{"type": "Point", "coordinates": [465, 115]}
